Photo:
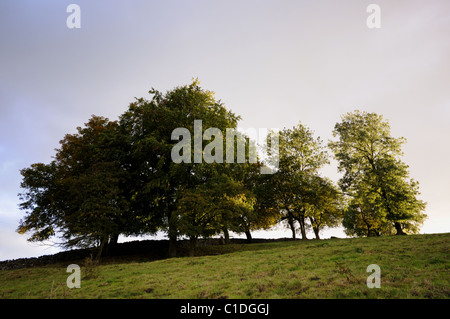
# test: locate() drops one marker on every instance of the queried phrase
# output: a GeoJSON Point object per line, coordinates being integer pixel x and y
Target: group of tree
{"type": "Point", "coordinates": [116, 178]}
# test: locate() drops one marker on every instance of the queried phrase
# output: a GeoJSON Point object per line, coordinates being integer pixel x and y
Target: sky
{"type": "Point", "coordinates": [274, 63]}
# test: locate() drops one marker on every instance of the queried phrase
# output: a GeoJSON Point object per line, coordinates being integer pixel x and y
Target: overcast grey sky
{"type": "Point", "coordinates": [275, 63]}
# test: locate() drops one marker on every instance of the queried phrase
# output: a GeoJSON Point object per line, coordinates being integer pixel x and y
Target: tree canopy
{"type": "Point", "coordinates": [299, 193]}
{"type": "Point", "coordinates": [382, 195]}
{"type": "Point", "coordinates": [81, 194]}
{"type": "Point", "coordinates": [165, 165]}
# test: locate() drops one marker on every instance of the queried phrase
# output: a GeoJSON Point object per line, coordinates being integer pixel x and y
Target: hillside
{"type": "Point", "coordinates": [413, 266]}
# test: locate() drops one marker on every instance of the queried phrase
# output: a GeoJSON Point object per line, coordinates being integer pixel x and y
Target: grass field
{"type": "Point", "coordinates": [413, 266]}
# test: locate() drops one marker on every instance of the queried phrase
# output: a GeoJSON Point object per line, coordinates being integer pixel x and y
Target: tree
{"type": "Point", "coordinates": [362, 217]}
{"type": "Point", "coordinates": [159, 182]}
{"type": "Point", "coordinates": [300, 158]}
{"type": "Point", "coordinates": [81, 194]}
{"type": "Point", "coordinates": [374, 175]}
{"type": "Point", "coordinates": [197, 215]}
{"type": "Point", "coordinates": [324, 204]}
{"type": "Point", "coordinates": [40, 200]}
{"type": "Point", "coordinates": [223, 197]}
{"type": "Point", "coordinates": [248, 210]}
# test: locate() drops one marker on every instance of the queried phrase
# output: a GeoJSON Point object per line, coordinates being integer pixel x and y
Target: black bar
{"type": "Point", "coordinates": [223, 308]}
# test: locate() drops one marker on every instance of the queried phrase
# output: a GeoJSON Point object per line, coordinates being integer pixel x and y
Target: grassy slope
{"type": "Point", "coordinates": [415, 266]}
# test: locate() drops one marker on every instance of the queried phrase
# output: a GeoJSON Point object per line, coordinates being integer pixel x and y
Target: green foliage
{"type": "Point", "coordinates": [297, 190]}
{"type": "Point", "coordinates": [188, 199]}
{"type": "Point", "coordinates": [382, 194]}
{"type": "Point", "coordinates": [324, 203]}
{"type": "Point", "coordinates": [80, 194]}
{"type": "Point", "coordinates": [118, 177]}
{"type": "Point", "coordinates": [40, 183]}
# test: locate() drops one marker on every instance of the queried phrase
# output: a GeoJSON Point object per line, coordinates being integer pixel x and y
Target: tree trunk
{"type": "Point", "coordinates": [301, 221]}
{"type": "Point", "coordinates": [103, 242]}
{"type": "Point", "coordinates": [113, 239]}
{"type": "Point", "coordinates": [226, 234]}
{"type": "Point", "coordinates": [315, 228]}
{"type": "Point", "coordinates": [368, 230]}
{"type": "Point", "coordinates": [398, 228]}
{"type": "Point", "coordinates": [291, 225]}
{"type": "Point", "coordinates": [316, 232]}
{"type": "Point", "coordinates": [172, 246]}
{"type": "Point", "coordinates": [249, 236]}
{"type": "Point", "coordinates": [111, 244]}
{"type": "Point", "coordinates": [397, 225]}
